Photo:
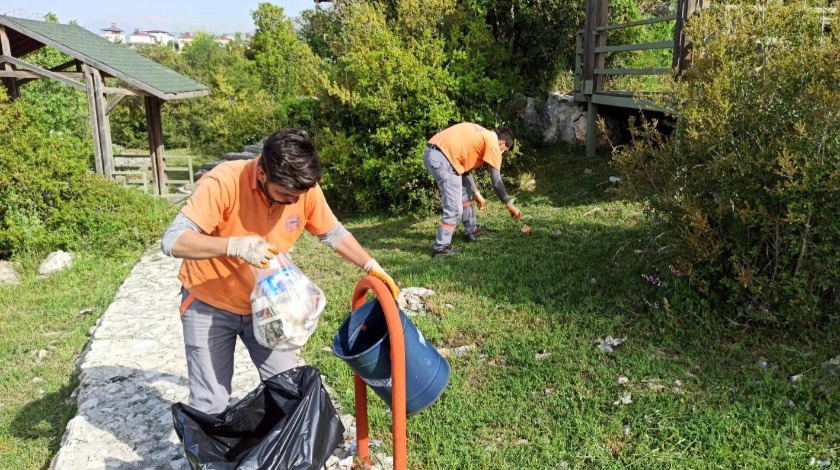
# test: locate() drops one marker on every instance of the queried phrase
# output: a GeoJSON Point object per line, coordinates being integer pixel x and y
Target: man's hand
{"type": "Point", "coordinates": [515, 213]}
{"type": "Point", "coordinates": [374, 269]}
{"type": "Point", "coordinates": [482, 203]}
{"type": "Point", "coordinates": [256, 251]}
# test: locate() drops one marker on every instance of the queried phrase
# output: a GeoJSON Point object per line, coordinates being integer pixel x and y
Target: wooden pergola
{"type": "Point", "coordinates": [95, 65]}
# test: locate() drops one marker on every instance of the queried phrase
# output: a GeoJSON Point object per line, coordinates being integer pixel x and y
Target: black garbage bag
{"type": "Point", "coordinates": [288, 422]}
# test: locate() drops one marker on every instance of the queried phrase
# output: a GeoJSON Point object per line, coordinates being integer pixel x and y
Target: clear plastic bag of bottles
{"type": "Point", "coordinates": [286, 305]}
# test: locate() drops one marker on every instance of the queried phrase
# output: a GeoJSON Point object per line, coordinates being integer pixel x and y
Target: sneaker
{"type": "Point", "coordinates": [477, 232]}
{"type": "Point", "coordinates": [448, 250]}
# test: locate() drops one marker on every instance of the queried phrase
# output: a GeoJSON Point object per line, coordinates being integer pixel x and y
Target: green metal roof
{"type": "Point", "coordinates": [114, 59]}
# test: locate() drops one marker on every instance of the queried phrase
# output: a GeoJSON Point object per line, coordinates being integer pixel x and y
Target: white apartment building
{"type": "Point", "coordinates": [183, 40]}
{"type": "Point", "coordinates": [113, 34]}
{"type": "Point", "coordinates": [161, 37]}
{"type": "Point", "coordinates": [225, 38]}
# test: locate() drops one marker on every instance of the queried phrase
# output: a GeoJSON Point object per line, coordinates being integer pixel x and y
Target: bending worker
{"type": "Point", "coordinates": [240, 215]}
{"type": "Point", "coordinates": [450, 156]}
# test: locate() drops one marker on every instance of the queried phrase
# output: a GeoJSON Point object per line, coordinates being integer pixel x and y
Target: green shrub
{"type": "Point", "coordinates": [50, 200]}
{"type": "Point", "coordinates": [748, 181]}
{"type": "Point", "coordinates": [539, 37]}
{"type": "Point", "coordinates": [240, 110]}
{"type": "Point", "coordinates": [59, 107]}
{"type": "Point", "coordinates": [393, 74]}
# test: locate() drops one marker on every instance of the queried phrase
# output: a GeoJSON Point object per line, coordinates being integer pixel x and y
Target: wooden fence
{"type": "Point", "coordinates": [136, 170]}
{"type": "Point", "coordinates": [592, 49]}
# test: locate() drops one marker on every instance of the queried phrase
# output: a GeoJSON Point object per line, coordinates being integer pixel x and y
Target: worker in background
{"type": "Point", "coordinates": [450, 156]}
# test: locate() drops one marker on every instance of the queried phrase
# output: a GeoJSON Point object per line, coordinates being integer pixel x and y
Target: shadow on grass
{"type": "Point", "coordinates": [736, 395]}
{"type": "Point", "coordinates": [121, 410]}
{"type": "Point", "coordinates": [45, 418]}
{"type": "Point", "coordinates": [553, 264]}
{"type": "Point", "coordinates": [563, 176]}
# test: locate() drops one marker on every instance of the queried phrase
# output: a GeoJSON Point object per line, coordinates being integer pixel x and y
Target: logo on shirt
{"type": "Point", "coordinates": [292, 223]}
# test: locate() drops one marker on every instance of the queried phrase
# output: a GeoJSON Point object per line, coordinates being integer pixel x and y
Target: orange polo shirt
{"type": "Point", "coordinates": [467, 146]}
{"type": "Point", "coordinates": [227, 202]}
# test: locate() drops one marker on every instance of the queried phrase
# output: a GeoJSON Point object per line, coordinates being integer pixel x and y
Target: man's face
{"type": "Point", "coordinates": [503, 146]}
{"type": "Point", "coordinates": [276, 193]}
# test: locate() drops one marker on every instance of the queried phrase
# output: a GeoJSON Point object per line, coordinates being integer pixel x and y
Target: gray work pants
{"type": "Point", "coordinates": [455, 196]}
{"type": "Point", "coordinates": [210, 338]}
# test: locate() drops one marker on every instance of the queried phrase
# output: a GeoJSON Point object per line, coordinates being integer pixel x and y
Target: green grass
{"type": "Point", "coordinates": [575, 279]}
{"type": "Point", "coordinates": [44, 315]}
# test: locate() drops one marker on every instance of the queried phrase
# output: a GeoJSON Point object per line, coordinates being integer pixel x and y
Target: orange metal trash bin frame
{"type": "Point", "coordinates": [398, 395]}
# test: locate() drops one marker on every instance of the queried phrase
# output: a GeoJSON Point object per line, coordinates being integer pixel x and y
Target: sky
{"type": "Point", "coordinates": [174, 16]}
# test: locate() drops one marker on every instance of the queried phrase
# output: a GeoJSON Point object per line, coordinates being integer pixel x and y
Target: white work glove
{"type": "Point", "coordinates": [374, 269]}
{"type": "Point", "coordinates": [254, 250]}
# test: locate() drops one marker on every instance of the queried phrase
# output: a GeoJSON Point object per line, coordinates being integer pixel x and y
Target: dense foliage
{"type": "Point", "coordinates": [393, 75]}
{"type": "Point", "coordinates": [52, 201]}
{"type": "Point", "coordinates": [239, 110]}
{"type": "Point", "coordinates": [61, 108]}
{"type": "Point", "coordinates": [538, 37]}
{"type": "Point", "coordinates": [748, 182]}
{"type": "Point", "coordinates": [370, 80]}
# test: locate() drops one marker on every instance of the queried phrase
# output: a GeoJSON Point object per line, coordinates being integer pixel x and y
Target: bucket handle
{"type": "Point", "coordinates": [396, 337]}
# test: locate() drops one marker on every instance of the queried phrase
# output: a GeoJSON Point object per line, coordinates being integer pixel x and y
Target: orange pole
{"type": "Point", "coordinates": [362, 442]}
{"type": "Point", "coordinates": [398, 395]}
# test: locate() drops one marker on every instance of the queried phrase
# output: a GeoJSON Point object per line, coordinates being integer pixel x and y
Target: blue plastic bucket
{"type": "Point", "coordinates": [363, 343]}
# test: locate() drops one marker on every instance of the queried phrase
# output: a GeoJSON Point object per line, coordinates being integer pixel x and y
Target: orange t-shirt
{"type": "Point", "coordinates": [467, 146]}
{"type": "Point", "coordinates": [228, 202]}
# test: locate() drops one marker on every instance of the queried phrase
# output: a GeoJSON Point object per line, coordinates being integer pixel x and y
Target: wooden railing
{"type": "Point", "coordinates": [592, 50]}
{"type": "Point", "coordinates": [136, 170]}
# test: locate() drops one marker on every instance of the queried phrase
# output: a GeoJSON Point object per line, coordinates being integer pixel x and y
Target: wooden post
{"type": "Point", "coordinates": [94, 120]}
{"type": "Point", "coordinates": [103, 124]}
{"type": "Point", "coordinates": [587, 75]}
{"type": "Point", "coordinates": [578, 61]}
{"type": "Point", "coordinates": [153, 163]}
{"type": "Point", "coordinates": [589, 46]}
{"type": "Point", "coordinates": [682, 44]}
{"type": "Point", "coordinates": [155, 128]}
{"type": "Point", "coordinates": [591, 127]}
{"type": "Point", "coordinates": [596, 17]}
{"type": "Point", "coordinates": [601, 41]}
{"type": "Point", "coordinates": [6, 49]}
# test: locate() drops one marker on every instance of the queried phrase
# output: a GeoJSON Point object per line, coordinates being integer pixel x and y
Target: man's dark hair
{"type": "Point", "coordinates": [289, 159]}
{"type": "Point", "coordinates": [503, 133]}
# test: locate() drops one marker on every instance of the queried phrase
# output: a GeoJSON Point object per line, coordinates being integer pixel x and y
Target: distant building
{"type": "Point", "coordinates": [183, 40]}
{"type": "Point", "coordinates": [113, 34]}
{"type": "Point", "coordinates": [140, 38]}
{"type": "Point", "coordinates": [161, 37]}
{"type": "Point", "coordinates": [225, 39]}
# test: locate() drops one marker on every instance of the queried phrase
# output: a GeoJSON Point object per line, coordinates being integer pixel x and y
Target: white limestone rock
{"type": "Point", "coordinates": [55, 262]}
{"type": "Point", "coordinates": [8, 273]}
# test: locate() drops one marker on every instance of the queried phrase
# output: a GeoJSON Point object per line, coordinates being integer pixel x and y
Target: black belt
{"type": "Point", "coordinates": [433, 147]}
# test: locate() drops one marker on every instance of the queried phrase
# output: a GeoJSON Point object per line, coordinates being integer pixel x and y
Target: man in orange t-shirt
{"type": "Point", "coordinates": [450, 156]}
{"type": "Point", "coordinates": [240, 215]}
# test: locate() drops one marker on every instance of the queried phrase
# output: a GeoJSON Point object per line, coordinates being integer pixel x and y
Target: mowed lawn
{"type": "Point", "coordinates": [686, 388]}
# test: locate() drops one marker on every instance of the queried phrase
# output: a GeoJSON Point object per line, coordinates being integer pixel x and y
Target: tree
{"type": "Point", "coordinates": [62, 108]}
{"type": "Point", "coordinates": [285, 64]}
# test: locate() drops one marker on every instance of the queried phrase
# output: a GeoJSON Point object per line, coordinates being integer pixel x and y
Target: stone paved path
{"type": "Point", "coordinates": [134, 369]}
